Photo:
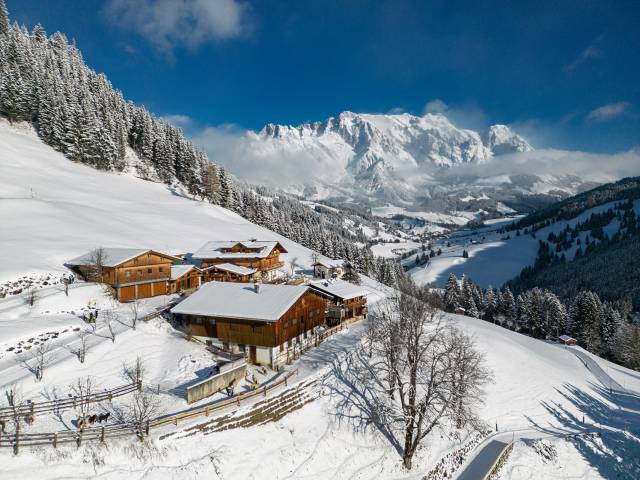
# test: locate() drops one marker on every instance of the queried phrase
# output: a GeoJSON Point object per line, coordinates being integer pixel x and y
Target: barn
{"type": "Point", "coordinates": [270, 323]}
{"type": "Point", "coordinates": [133, 273]}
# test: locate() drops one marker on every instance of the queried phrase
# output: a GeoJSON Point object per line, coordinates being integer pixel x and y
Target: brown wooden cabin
{"type": "Point", "coordinates": [132, 273]}
{"type": "Point", "coordinates": [184, 278]}
{"type": "Point", "coordinates": [266, 321]}
{"type": "Point", "coordinates": [345, 302]}
{"type": "Point", "coordinates": [261, 255]}
{"type": "Point", "coordinates": [228, 272]}
{"type": "Point", "coordinates": [328, 269]}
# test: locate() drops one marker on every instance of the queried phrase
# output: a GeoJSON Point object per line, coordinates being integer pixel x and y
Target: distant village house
{"type": "Point", "coordinates": [328, 268]}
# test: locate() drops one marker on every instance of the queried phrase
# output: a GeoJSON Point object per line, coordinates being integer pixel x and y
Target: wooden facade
{"type": "Point", "coordinates": [247, 334]}
{"type": "Point", "coordinates": [214, 274]}
{"type": "Point", "coordinates": [189, 281]}
{"type": "Point", "coordinates": [249, 258]}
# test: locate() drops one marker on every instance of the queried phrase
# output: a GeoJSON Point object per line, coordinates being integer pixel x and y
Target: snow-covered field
{"type": "Point", "coordinates": [74, 208]}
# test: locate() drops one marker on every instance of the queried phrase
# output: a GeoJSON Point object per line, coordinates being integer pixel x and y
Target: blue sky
{"type": "Point", "coordinates": [565, 74]}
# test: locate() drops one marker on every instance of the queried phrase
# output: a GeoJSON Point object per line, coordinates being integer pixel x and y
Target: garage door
{"type": "Point", "coordinates": [144, 290]}
{"type": "Point", "coordinates": [160, 288]}
{"type": "Point", "coordinates": [126, 294]}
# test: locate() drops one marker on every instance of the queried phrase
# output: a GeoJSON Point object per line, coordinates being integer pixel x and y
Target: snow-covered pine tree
{"type": "Point", "coordinates": [4, 18]}
{"type": "Point", "coordinates": [452, 293]}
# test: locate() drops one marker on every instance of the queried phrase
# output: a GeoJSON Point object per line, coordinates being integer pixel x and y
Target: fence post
{"type": "Point", "coordinates": [55, 440]}
{"type": "Point", "coordinates": [158, 389]}
{"type": "Point", "coordinates": [265, 391]}
{"type": "Point", "coordinates": [238, 400]}
{"type": "Point", "coordinates": [176, 421]}
{"type": "Point", "coordinates": [16, 444]}
{"type": "Point", "coordinates": [79, 439]}
{"type": "Point", "coordinates": [102, 434]}
{"type": "Point", "coordinates": [146, 428]}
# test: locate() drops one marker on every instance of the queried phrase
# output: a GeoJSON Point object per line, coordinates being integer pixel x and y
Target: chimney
{"type": "Point", "coordinates": [256, 287]}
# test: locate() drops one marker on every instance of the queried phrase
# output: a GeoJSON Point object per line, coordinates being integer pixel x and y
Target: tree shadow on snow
{"type": "Point", "coordinates": [353, 399]}
{"type": "Point", "coordinates": [615, 453]}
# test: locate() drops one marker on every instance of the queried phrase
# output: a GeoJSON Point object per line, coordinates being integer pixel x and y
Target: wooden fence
{"type": "Point", "coordinates": [16, 441]}
{"type": "Point", "coordinates": [60, 404]}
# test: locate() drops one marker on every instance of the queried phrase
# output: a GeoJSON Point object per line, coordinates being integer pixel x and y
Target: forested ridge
{"type": "Point", "coordinates": [45, 81]}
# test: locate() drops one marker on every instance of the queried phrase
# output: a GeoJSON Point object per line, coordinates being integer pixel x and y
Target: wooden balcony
{"type": "Point", "coordinates": [122, 278]}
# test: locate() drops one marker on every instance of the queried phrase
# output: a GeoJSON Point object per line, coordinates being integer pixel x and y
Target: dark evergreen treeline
{"type": "Point", "coordinates": [603, 328]}
{"type": "Point", "coordinates": [573, 206]}
{"type": "Point", "coordinates": [44, 80]}
{"type": "Point", "coordinates": [601, 253]}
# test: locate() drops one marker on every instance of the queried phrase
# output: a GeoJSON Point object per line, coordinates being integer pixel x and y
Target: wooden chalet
{"type": "Point", "coordinates": [132, 273]}
{"type": "Point", "coordinates": [266, 321]}
{"type": "Point", "coordinates": [328, 269]}
{"type": "Point", "coordinates": [264, 256]}
{"type": "Point", "coordinates": [184, 278]}
{"type": "Point", "coordinates": [228, 272]}
{"type": "Point", "coordinates": [345, 302]}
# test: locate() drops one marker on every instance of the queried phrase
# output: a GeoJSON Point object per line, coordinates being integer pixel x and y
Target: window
{"type": "Point", "coordinates": [149, 270]}
{"type": "Point", "coordinates": [127, 273]}
{"type": "Point", "coordinates": [161, 269]}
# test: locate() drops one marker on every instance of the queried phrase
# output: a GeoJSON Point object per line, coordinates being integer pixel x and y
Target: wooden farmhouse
{"type": "Point", "coordinates": [262, 256]}
{"type": "Point", "coordinates": [345, 302]}
{"type": "Point", "coordinates": [228, 272]}
{"type": "Point", "coordinates": [132, 273]}
{"type": "Point", "coordinates": [328, 268]}
{"type": "Point", "coordinates": [184, 278]}
{"type": "Point", "coordinates": [266, 321]}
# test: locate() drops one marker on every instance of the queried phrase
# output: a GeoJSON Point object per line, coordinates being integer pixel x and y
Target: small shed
{"type": "Point", "coordinates": [460, 311]}
{"type": "Point", "coordinates": [567, 340]}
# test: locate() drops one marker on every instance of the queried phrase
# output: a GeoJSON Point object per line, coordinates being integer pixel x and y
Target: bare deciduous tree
{"type": "Point", "coordinates": [413, 373]}
{"type": "Point", "coordinates": [82, 391]}
{"type": "Point", "coordinates": [134, 372]}
{"type": "Point", "coordinates": [110, 317]}
{"type": "Point", "coordinates": [32, 296]}
{"type": "Point", "coordinates": [42, 357]}
{"type": "Point", "coordinates": [134, 308]}
{"type": "Point", "coordinates": [83, 348]}
{"type": "Point", "coordinates": [16, 402]}
{"type": "Point", "coordinates": [143, 407]}
{"type": "Point", "coordinates": [95, 266]}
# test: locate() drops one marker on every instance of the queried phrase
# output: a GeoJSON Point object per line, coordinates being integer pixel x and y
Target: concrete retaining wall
{"type": "Point", "coordinates": [217, 382]}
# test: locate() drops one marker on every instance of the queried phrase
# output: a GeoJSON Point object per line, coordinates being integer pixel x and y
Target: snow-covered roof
{"type": "Point", "coordinates": [112, 256]}
{"type": "Point", "coordinates": [240, 300]}
{"type": "Point", "coordinates": [329, 263]}
{"type": "Point", "coordinates": [215, 249]}
{"type": "Point", "coordinates": [178, 271]}
{"type": "Point", "coordinates": [230, 267]}
{"type": "Point", "coordinates": [340, 288]}
{"type": "Point", "coordinates": [565, 338]}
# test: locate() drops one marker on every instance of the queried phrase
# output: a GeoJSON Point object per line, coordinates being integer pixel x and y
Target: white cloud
{"type": "Point", "coordinates": [592, 52]}
{"type": "Point", "coordinates": [594, 167]}
{"type": "Point", "coordinates": [609, 112]}
{"type": "Point", "coordinates": [435, 106]}
{"type": "Point", "coordinates": [166, 23]}
{"type": "Point", "coordinates": [177, 120]}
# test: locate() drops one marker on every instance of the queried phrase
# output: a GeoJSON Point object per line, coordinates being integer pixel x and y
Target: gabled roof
{"type": "Point", "coordinates": [215, 249]}
{"type": "Point", "coordinates": [329, 263]}
{"type": "Point", "coordinates": [113, 256]}
{"type": "Point", "coordinates": [240, 300]}
{"type": "Point", "coordinates": [340, 289]}
{"type": "Point", "coordinates": [178, 271]}
{"type": "Point", "coordinates": [230, 267]}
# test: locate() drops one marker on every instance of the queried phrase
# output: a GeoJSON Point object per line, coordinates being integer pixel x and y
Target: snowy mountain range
{"type": "Point", "coordinates": [401, 159]}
